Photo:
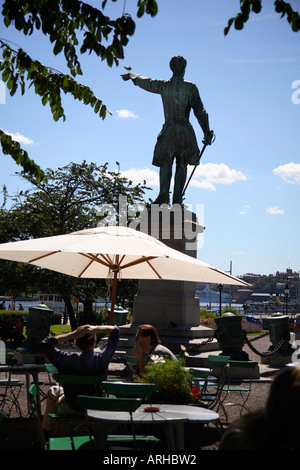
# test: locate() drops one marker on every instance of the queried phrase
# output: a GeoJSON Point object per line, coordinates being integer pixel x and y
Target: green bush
{"type": "Point", "coordinates": [206, 314]}
{"type": "Point", "coordinates": [10, 315]}
{"type": "Point", "coordinates": [174, 384]}
{"type": "Point", "coordinates": [230, 310]}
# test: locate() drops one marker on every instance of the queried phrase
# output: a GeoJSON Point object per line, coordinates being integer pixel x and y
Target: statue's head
{"type": "Point", "coordinates": [178, 65]}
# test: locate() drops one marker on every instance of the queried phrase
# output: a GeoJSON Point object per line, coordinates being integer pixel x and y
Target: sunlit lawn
{"type": "Point", "coordinates": [57, 329]}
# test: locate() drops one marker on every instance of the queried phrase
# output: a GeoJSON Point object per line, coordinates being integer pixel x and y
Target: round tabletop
{"type": "Point", "coordinates": [166, 412]}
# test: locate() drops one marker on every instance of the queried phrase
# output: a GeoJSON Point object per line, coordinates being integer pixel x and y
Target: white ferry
{"type": "Point", "coordinates": [53, 301]}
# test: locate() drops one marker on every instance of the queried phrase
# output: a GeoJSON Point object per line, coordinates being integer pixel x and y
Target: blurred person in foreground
{"type": "Point", "coordinates": [276, 427]}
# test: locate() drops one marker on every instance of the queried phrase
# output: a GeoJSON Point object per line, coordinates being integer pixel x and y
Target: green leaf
{"type": "Point", "coordinates": [11, 147]}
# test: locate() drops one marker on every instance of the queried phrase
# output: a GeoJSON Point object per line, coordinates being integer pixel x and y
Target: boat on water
{"type": "Point", "coordinates": [208, 296]}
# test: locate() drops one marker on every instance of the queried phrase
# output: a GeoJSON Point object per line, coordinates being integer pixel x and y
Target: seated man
{"type": "Point", "coordinates": [147, 343]}
{"type": "Point", "coordinates": [88, 362]}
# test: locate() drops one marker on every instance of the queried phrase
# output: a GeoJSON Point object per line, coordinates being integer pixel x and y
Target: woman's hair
{"type": "Point", "coordinates": [149, 330]}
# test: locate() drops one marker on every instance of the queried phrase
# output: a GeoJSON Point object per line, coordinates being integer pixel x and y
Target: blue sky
{"type": "Point", "coordinates": [249, 179]}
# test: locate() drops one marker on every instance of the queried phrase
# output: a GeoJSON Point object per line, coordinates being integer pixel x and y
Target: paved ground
{"type": "Point", "coordinates": [20, 433]}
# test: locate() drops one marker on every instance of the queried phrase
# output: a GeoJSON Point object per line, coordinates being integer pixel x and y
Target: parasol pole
{"type": "Point", "coordinates": [113, 298]}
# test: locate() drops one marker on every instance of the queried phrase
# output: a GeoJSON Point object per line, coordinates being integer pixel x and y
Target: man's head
{"type": "Point", "coordinates": [146, 337]}
{"type": "Point", "coordinates": [178, 65]}
{"type": "Point", "coordinates": [86, 342]}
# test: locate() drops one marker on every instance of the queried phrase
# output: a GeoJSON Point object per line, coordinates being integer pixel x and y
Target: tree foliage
{"type": "Point", "coordinates": [73, 27]}
{"type": "Point", "coordinates": [68, 202]}
{"type": "Point", "coordinates": [255, 6]}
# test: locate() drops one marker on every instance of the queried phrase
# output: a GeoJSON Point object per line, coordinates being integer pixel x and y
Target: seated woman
{"type": "Point", "coordinates": [147, 343]}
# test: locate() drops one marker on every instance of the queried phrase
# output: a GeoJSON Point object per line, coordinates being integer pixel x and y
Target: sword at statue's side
{"type": "Point", "coordinates": [201, 153]}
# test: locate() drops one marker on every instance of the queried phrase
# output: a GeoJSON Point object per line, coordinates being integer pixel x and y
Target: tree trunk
{"type": "Point", "coordinates": [70, 312]}
{"type": "Point", "coordinates": [87, 311]}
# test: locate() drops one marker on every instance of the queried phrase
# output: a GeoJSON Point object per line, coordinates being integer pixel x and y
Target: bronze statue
{"type": "Point", "coordinates": [177, 138]}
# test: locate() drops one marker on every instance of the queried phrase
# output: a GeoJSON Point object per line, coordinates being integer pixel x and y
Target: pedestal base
{"type": "Point", "coordinates": [169, 303]}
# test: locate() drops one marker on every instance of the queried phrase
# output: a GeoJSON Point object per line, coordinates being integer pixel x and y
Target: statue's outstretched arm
{"type": "Point", "coordinates": [148, 84]}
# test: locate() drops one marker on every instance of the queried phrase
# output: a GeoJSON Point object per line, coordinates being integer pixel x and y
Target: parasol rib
{"type": "Point", "coordinates": [43, 256]}
{"type": "Point", "coordinates": [110, 264]}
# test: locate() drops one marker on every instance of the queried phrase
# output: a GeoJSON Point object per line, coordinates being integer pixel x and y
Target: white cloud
{"type": "Point", "coordinates": [290, 172]}
{"type": "Point", "coordinates": [274, 210]}
{"type": "Point", "coordinates": [21, 138]}
{"type": "Point", "coordinates": [206, 176]}
{"type": "Point", "coordinates": [139, 175]}
{"type": "Point", "coordinates": [243, 211]}
{"type": "Point", "coordinates": [125, 114]}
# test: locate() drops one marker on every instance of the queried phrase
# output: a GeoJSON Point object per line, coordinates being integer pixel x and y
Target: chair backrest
{"type": "Point", "coordinates": [219, 366]}
{"type": "Point", "coordinates": [132, 359]}
{"type": "Point", "coordinates": [235, 365]}
{"type": "Point", "coordinates": [75, 385]}
{"type": "Point", "coordinates": [200, 374]}
{"type": "Point", "coordinates": [50, 368]}
{"type": "Point", "coordinates": [128, 389]}
{"type": "Point", "coordinates": [108, 404]}
{"type": "Point", "coordinates": [217, 361]}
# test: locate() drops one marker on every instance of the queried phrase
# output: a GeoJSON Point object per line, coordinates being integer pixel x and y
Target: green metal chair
{"type": "Point", "coordinates": [202, 379]}
{"type": "Point", "coordinates": [10, 389]}
{"type": "Point", "coordinates": [57, 443]}
{"type": "Point", "coordinates": [213, 396]}
{"type": "Point", "coordinates": [82, 384]}
{"type": "Point", "coordinates": [50, 369]}
{"type": "Point", "coordinates": [238, 389]}
{"type": "Point", "coordinates": [140, 442]}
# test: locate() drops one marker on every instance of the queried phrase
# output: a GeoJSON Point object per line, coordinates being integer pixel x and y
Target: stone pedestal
{"type": "Point", "coordinates": [171, 306]}
{"type": "Point", "coordinates": [161, 302]}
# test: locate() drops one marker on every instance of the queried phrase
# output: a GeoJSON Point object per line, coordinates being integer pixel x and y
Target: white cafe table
{"type": "Point", "coordinates": [170, 417]}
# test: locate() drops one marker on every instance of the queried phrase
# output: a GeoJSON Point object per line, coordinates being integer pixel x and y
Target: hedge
{"type": "Point", "coordinates": [12, 314]}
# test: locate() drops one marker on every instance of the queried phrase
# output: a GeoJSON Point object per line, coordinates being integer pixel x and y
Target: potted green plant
{"type": "Point", "coordinates": [173, 381]}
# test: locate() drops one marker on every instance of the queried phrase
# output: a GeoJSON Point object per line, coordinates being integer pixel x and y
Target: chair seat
{"type": "Point", "coordinates": [230, 388]}
{"type": "Point", "coordinates": [129, 438]}
{"type": "Point", "coordinates": [5, 382]}
{"type": "Point", "coordinates": [72, 443]}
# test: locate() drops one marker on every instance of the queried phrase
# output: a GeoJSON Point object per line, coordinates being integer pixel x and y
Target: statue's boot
{"type": "Point", "coordinates": [162, 199]}
{"type": "Point", "coordinates": [180, 178]}
{"type": "Point", "coordinates": [165, 175]}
